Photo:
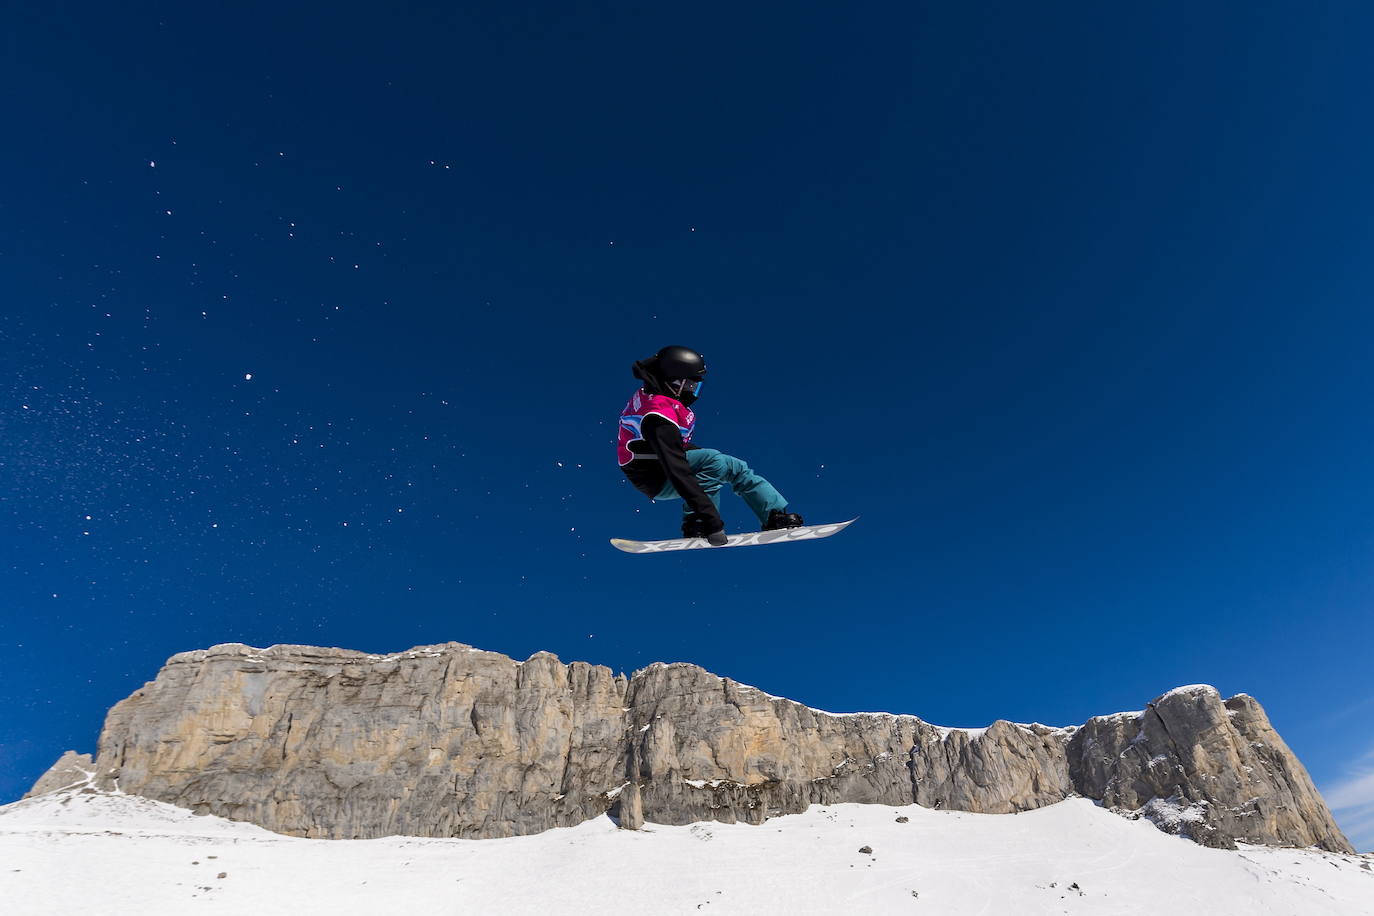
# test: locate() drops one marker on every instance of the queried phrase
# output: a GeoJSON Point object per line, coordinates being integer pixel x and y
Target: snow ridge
{"type": "Point", "coordinates": [82, 851]}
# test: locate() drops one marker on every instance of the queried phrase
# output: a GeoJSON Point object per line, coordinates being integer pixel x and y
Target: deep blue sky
{"type": "Point", "coordinates": [1071, 304]}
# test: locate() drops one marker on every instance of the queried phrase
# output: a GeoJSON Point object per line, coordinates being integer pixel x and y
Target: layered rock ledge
{"type": "Point", "coordinates": [451, 741]}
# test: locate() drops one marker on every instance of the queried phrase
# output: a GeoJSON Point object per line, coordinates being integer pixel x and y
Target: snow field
{"type": "Point", "coordinates": [74, 853]}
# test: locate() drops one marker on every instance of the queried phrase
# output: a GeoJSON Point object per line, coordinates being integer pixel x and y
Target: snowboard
{"type": "Point", "coordinates": [747, 539]}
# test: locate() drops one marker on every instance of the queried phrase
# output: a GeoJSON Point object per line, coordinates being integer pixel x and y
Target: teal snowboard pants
{"type": "Point", "coordinates": [714, 469]}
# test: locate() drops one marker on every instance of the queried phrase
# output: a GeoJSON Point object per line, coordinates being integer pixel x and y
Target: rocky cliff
{"type": "Point", "coordinates": [455, 742]}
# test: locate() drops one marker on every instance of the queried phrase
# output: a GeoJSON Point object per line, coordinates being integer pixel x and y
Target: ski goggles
{"type": "Point", "coordinates": [681, 386]}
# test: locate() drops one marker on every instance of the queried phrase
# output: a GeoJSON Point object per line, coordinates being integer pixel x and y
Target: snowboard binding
{"type": "Point", "coordinates": [701, 525]}
{"type": "Point", "coordinates": [778, 519]}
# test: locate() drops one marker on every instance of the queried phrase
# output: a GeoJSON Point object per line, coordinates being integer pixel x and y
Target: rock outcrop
{"type": "Point", "coordinates": [1211, 770]}
{"type": "Point", "coordinates": [451, 741]}
{"type": "Point", "coordinates": [71, 770]}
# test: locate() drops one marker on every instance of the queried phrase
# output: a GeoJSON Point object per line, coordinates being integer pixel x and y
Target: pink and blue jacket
{"type": "Point", "coordinates": [655, 436]}
{"type": "Point", "coordinates": [631, 443]}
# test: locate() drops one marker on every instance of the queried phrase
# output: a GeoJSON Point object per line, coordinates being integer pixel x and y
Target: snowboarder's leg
{"type": "Point", "coordinates": [715, 470]}
{"type": "Point", "coordinates": [696, 459]}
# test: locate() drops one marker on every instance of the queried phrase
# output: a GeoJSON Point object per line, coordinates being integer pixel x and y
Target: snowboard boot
{"type": "Point", "coordinates": [699, 525]}
{"type": "Point", "coordinates": [780, 519]}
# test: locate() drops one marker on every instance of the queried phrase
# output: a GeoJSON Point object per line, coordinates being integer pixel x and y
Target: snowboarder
{"type": "Point", "coordinates": [656, 453]}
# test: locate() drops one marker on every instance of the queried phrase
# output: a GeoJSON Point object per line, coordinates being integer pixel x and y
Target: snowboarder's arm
{"type": "Point", "coordinates": [666, 441]}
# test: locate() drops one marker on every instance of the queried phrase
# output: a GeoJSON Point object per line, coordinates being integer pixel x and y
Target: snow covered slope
{"type": "Point", "coordinates": [80, 853]}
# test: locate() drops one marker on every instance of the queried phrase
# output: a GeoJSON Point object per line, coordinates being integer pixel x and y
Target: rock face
{"type": "Point", "coordinates": [71, 770]}
{"type": "Point", "coordinates": [1211, 770]}
{"type": "Point", "coordinates": [451, 741]}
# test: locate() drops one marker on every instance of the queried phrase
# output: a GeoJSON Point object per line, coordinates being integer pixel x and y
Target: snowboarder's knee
{"type": "Point", "coordinates": [728, 467]}
{"type": "Point", "coordinates": [709, 461]}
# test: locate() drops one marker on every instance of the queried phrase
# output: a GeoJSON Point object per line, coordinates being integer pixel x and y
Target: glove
{"type": "Point", "coordinates": [703, 525]}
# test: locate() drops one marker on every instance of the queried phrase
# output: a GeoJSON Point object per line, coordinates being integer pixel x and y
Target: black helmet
{"type": "Point", "coordinates": [679, 363]}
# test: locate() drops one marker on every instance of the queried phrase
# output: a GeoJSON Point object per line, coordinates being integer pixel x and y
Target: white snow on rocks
{"type": "Point", "coordinates": [1191, 689]}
